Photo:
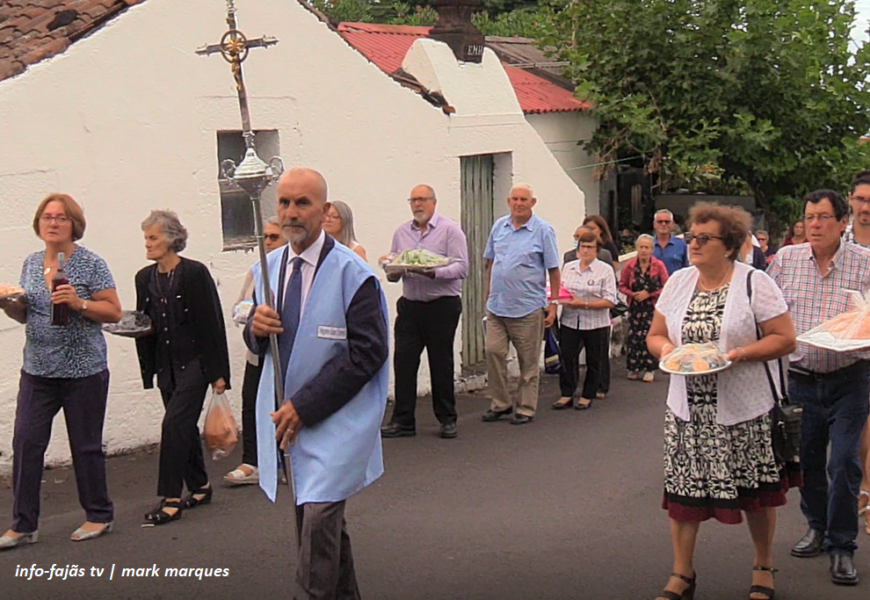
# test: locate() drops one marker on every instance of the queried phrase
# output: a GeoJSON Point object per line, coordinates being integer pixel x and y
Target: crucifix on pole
{"type": "Point", "coordinates": [252, 175]}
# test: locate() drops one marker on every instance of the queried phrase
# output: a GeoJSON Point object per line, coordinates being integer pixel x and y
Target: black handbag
{"type": "Point", "coordinates": [620, 309]}
{"type": "Point", "coordinates": [785, 417]}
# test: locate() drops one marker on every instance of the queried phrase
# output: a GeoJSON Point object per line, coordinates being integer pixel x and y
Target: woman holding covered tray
{"type": "Point", "coordinates": [64, 368]}
{"type": "Point", "coordinates": [187, 350]}
{"type": "Point", "coordinates": [719, 456]}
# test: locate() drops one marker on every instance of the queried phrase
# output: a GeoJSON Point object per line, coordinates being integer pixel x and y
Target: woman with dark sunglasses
{"type": "Point", "coordinates": [719, 460]}
{"type": "Point", "coordinates": [247, 473]}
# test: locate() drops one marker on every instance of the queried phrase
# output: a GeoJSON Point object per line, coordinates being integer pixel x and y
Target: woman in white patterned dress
{"type": "Point", "coordinates": [719, 459]}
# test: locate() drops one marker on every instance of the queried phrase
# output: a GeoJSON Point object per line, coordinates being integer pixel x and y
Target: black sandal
{"type": "Point", "coordinates": [760, 589]}
{"type": "Point", "coordinates": [688, 593]}
{"type": "Point", "coordinates": [158, 516]}
{"type": "Point", "coordinates": [191, 501]}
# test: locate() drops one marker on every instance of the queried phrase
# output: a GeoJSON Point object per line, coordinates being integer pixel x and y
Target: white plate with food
{"type": "Point", "coordinates": [10, 292]}
{"type": "Point", "coordinates": [132, 324]}
{"type": "Point", "coordinates": [695, 359]}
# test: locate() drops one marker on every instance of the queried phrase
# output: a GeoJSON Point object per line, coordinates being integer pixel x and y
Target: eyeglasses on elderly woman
{"type": "Point", "coordinates": [702, 239]}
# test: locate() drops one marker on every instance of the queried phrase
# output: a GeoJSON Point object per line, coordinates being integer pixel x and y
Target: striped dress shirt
{"type": "Point", "coordinates": [595, 282]}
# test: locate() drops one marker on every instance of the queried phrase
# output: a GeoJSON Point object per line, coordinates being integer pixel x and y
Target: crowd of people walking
{"type": "Point", "coordinates": [720, 283]}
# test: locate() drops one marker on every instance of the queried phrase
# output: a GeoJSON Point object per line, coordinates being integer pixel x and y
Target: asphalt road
{"type": "Point", "coordinates": [566, 507]}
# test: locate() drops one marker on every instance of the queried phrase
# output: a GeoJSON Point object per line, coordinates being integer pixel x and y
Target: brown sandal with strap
{"type": "Point", "coordinates": [688, 593]}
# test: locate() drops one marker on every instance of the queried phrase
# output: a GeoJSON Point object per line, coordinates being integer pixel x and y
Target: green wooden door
{"type": "Point", "coordinates": [476, 223]}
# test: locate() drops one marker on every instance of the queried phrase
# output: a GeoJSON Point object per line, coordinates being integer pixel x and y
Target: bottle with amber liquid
{"type": "Point", "coordinates": [59, 312]}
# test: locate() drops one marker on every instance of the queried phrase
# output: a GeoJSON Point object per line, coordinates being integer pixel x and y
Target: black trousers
{"type": "Point", "coordinates": [325, 565]}
{"type": "Point", "coordinates": [83, 400]}
{"type": "Point", "coordinates": [249, 412]}
{"type": "Point", "coordinates": [572, 342]}
{"type": "Point", "coordinates": [604, 381]}
{"type": "Point", "coordinates": [181, 459]}
{"type": "Point", "coordinates": [430, 325]}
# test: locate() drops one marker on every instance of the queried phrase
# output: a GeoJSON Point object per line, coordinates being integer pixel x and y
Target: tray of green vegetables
{"type": "Point", "coordinates": [411, 261]}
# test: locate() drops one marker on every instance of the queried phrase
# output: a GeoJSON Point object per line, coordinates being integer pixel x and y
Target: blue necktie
{"type": "Point", "coordinates": [290, 314]}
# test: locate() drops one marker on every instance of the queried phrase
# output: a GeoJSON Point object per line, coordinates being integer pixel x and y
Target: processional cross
{"type": "Point", "coordinates": [252, 174]}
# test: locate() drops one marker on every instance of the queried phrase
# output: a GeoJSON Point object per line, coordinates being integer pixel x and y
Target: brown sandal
{"type": "Point", "coordinates": [688, 593]}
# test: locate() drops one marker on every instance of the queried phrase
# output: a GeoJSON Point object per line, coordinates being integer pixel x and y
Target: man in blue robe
{"type": "Point", "coordinates": [331, 321]}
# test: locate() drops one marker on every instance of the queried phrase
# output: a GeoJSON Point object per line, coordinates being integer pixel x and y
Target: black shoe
{"type": "Point", "coordinates": [843, 571]}
{"type": "Point", "coordinates": [158, 516]}
{"type": "Point", "coordinates": [448, 431]}
{"type": "Point", "coordinates": [763, 589]}
{"type": "Point", "coordinates": [394, 430]}
{"type": "Point", "coordinates": [494, 415]}
{"type": "Point", "coordinates": [521, 420]}
{"type": "Point", "coordinates": [812, 544]}
{"type": "Point", "coordinates": [192, 501]}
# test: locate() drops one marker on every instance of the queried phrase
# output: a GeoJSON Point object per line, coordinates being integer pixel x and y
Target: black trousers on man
{"type": "Point", "coordinates": [249, 412]}
{"type": "Point", "coordinates": [430, 325]}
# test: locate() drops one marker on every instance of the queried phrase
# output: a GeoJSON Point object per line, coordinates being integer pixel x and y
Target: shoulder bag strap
{"type": "Point", "coordinates": [776, 397]}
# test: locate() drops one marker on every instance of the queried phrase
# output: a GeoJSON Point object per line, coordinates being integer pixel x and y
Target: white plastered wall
{"type": "Point", "coordinates": [125, 121]}
{"type": "Point", "coordinates": [561, 132]}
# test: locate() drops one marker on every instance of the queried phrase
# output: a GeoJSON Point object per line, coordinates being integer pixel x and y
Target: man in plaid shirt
{"type": "Point", "coordinates": [832, 387]}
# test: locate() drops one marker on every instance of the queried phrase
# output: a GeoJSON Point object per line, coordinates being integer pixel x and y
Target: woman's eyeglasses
{"type": "Point", "coordinates": [61, 220]}
{"type": "Point", "coordinates": [272, 237]}
{"type": "Point", "coordinates": [702, 239]}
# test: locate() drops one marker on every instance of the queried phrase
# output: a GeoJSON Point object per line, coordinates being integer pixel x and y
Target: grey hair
{"type": "Point", "coordinates": [175, 232]}
{"type": "Point", "coordinates": [429, 189]}
{"type": "Point", "coordinates": [665, 210]}
{"type": "Point", "coordinates": [347, 234]}
{"type": "Point", "coordinates": [524, 186]}
{"type": "Point", "coordinates": [273, 221]}
{"type": "Point", "coordinates": [645, 236]}
{"type": "Point", "coordinates": [762, 232]}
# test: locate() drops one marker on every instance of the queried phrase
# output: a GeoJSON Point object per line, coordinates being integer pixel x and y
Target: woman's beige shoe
{"type": "Point", "coordinates": [80, 535]}
{"type": "Point", "coordinates": [7, 542]}
{"type": "Point", "coordinates": [649, 377]}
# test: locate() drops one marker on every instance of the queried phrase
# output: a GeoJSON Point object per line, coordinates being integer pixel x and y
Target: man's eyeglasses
{"type": "Point", "coordinates": [761, 239]}
{"type": "Point", "coordinates": [413, 200]}
{"type": "Point", "coordinates": [272, 237]}
{"type": "Point", "coordinates": [588, 247]}
{"type": "Point", "coordinates": [61, 220]}
{"type": "Point", "coordinates": [860, 200]}
{"type": "Point", "coordinates": [663, 222]}
{"type": "Point", "coordinates": [702, 239]}
{"type": "Point", "coordinates": [820, 218]}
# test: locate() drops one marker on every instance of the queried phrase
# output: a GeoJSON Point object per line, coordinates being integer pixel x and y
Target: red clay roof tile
{"type": "Point", "coordinates": [387, 45]}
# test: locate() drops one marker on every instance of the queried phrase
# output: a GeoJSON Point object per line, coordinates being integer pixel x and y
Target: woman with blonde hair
{"type": "Point", "coordinates": [338, 222]}
{"type": "Point", "coordinates": [65, 367]}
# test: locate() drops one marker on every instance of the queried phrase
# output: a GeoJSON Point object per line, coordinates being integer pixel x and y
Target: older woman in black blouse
{"type": "Point", "coordinates": [187, 350]}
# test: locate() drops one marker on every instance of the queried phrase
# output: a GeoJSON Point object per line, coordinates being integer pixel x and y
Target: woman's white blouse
{"type": "Point", "coordinates": [595, 282]}
{"type": "Point", "coordinates": [743, 391]}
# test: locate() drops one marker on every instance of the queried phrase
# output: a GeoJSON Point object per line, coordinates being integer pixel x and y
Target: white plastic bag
{"type": "Point", "coordinates": [220, 430]}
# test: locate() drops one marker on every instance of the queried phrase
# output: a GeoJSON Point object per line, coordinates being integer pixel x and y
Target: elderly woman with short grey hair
{"type": "Point", "coordinates": [338, 222]}
{"type": "Point", "coordinates": [187, 351]}
{"type": "Point", "coordinates": [642, 280]}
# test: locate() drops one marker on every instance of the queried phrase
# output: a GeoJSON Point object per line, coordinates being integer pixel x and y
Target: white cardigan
{"type": "Point", "coordinates": [743, 391]}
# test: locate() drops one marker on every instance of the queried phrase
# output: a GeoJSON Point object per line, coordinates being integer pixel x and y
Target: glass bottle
{"type": "Point", "coordinates": [59, 312]}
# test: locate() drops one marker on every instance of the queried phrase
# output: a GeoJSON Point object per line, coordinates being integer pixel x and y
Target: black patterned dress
{"type": "Point", "coordinates": [713, 470]}
{"type": "Point", "coordinates": [640, 315]}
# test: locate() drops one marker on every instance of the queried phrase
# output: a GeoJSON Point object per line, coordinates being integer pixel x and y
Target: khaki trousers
{"type": "Point", "coordinates": [527, 336]}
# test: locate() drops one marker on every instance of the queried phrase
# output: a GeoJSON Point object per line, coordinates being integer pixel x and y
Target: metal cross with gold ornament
{"type": "Point", "coordinates": [252, 175]}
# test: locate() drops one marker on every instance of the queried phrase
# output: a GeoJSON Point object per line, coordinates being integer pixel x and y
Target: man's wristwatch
{"type": "Point", "coordinates": [84, 306]}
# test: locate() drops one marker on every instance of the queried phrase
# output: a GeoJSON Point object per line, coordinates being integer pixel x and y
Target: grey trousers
{"type": "Point", "coordinates": [325, 561]}
{"type": "Point", "coordinates": [527, 335]}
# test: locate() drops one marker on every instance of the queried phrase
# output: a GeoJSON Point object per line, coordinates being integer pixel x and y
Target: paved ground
{"type": "Point", "coordinates": [567, 507]}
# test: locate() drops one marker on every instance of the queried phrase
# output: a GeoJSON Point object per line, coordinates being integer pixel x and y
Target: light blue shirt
{"type": "Point", "coordinates": [521, 258]}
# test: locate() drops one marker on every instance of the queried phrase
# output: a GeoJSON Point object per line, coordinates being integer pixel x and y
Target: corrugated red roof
{"type": "Point", "coordinates": [387, 45]}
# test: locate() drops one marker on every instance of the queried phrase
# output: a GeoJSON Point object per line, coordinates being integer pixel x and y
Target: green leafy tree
{"type": "Point", "coordinates": [770, 94]}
